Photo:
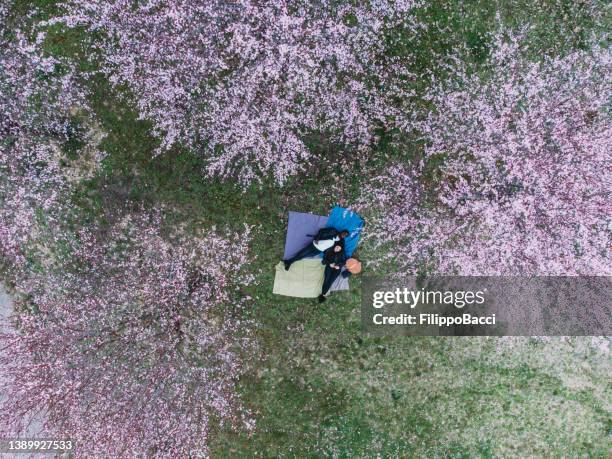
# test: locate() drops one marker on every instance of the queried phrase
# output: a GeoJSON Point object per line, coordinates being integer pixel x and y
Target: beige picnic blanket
{"type": "Point", "coordinates": [303, 280]}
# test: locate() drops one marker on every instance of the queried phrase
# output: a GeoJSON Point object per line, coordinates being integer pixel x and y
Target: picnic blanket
{"type": "Point", "coordinates": [342, 218]}
{"type": "Point", "coordinates": [304, 279]}
{"type": "Point", "coordinates": [300, 280]}
{"type": "Point", "coordinates": [303, 226]}
{"type": "Point", "coordinates": [299, 227]}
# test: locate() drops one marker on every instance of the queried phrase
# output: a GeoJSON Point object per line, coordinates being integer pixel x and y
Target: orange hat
{"type": "Point", "coordinates": [353, 265]}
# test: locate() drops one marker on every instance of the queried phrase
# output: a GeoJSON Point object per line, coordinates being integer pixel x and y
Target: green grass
{"type": "Point", "coordinates": [318, 387]}
{"type": "Point", "coordinates": [423, 398]}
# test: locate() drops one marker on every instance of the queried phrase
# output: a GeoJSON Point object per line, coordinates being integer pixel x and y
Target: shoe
{"type": "Point", "coordinates": [321, 298]}
{"type": "Point", "coordinates": [287, 265]}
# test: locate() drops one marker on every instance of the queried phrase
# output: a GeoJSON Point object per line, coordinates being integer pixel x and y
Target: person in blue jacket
{"type": "Point", "coordinates": [325, 239]}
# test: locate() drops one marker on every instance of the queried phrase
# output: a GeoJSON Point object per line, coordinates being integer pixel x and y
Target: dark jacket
{"type": "Point", "coordinates": [325, 233]}
{"type": "Point", "coordinates": [338, 258]}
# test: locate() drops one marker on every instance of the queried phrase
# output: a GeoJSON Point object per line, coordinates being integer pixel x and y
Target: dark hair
{"type": "Point", "coordinates": [344, 233]}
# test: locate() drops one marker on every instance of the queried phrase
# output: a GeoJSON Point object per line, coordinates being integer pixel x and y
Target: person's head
{"type": "Point", "coordinates": [337, 248]}
{"type": "Point", "coordinates": [343, 234]}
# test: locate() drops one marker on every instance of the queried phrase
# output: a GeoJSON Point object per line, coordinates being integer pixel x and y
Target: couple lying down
{"type": "Point", "coordinates": [330, 243]}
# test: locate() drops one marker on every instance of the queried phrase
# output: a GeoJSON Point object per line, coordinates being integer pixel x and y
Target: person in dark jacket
{"type": "Point", "coordinates": [323, 240]}
{"type": "Point", "coordinates": [334, 259]}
